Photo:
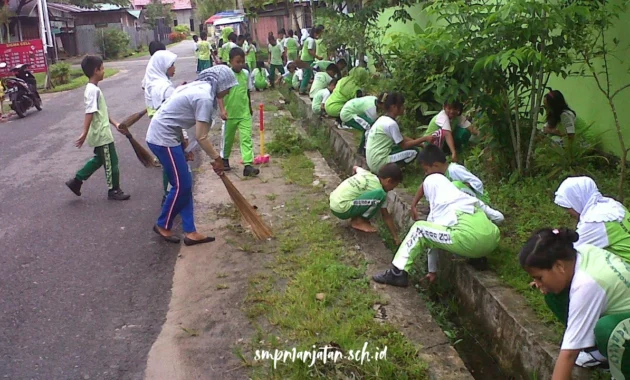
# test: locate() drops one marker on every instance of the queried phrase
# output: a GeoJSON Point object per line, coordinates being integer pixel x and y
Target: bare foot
{"type": "Point", "coordinates": [195, 236]}
{"type": "Point", "coordinates": [362, 225]}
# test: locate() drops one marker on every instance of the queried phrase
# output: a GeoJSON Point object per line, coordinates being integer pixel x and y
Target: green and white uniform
{"type": "Point", "coordinates": [381, 139]}
{"type": "Point", "coordinates": [466, 181]}
{"type": "Point", "coordinates": [360, 114]}
{"type": "Point", "coordinates": [318, 100]}
{"type": "Point", "coordinates": [361, 195]}
{"type": "Point", "coordinates": [251, 56]}
{"type": "Point", "coordinates": [321, 81]}
{"type": "Point", "coordinates": [321, 65]}
{"type": "Point", "coordinates": [307, 59]}
{"type": "Point", "coordinates": [458, 127]}
{"type": "Point", "coordinates": [346, 89]}
{"type": "Point", "coordinates": [239, 117]}
{"type": "Point", "coordinates": [297, 79]}
{"type": "Point", "coordinates": [276, 62]}
{"type": "Point", "coordinates": [321, 49]}
{"type": "Point", "coordinates": [457, 223]}
{"type": "Point", "coordinates": [292, 49]}
{"type": "Point", "coordinates": [260, 78]}
{"type": "Point", "coordinates": [597, 310]}
{"type": "Point", "coordinates": [203, 60]}
{"type": "Point", "coordinates": [604, 222]}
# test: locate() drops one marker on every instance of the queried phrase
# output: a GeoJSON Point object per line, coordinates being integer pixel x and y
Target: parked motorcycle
{"type": "Point", "coordinates": [21, 89]}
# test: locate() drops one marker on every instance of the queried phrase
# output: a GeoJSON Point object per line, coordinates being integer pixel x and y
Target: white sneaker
{"type": "Point", "coordinates": [590, 359]}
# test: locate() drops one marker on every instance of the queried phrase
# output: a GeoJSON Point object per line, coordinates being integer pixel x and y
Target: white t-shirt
{"type": "Point", "coordinates": [310, 43]}
{"type": "Point", "coordinates": [390, 128]}
{"type": "Point", "coordinates": [593, 233]}
{"type": "Point", "coordinates": [445, 123]}
{"type": "Point", "coordinates": [458, 172]}
{"type": "Point", "coordinates": [567, 118]}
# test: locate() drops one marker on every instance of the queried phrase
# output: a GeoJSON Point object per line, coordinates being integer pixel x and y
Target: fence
{"type": "Point", "coordinates": [86, 37]}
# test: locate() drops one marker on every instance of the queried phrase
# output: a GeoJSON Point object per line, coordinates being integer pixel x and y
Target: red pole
{"type": "Point", "coordinates": [262, 117]}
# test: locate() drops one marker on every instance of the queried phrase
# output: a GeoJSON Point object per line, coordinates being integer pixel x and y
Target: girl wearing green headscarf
{"type": "Point", "coordinates": [347, 89]}
{"type": "Point", "coordinates": [224, 53]}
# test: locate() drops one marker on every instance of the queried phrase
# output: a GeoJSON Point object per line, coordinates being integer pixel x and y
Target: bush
{"type": "Point", "coordinates": [113, 43]}
{"type": "Point", "coordinates": [176, 37]}
{"type": "Point", "coordinates": [60, 73]}
{"type": "Point", "coordinates": [184, 29]}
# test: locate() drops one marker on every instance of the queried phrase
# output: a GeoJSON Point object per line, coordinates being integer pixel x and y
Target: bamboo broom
{"type": "Point", "coordinates": [261, 230]}
{"type": "Point", "coordinates": [145, 158]}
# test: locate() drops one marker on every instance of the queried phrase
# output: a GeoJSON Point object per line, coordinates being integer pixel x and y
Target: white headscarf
{"type": "Point", "coordinates": [445, 200]}
{"type": "Point", "coordinates": [582, 195]}
{"type": "Point", "coordinates": [155, 81]}
{"type": "Point", "coordinates": [305, 35]}
{"type": "Point", "coordinates": [220, 77]}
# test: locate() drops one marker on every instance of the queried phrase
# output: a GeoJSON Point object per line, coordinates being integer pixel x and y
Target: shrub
{"type": "Point", "coordinates": [176, 37]}
{"type": "Point", "coordinates": [60, 73]}
{"type": "Point", "coordinates": [184, 29]}
{"type": "Point", "coordinates": [113, 43]}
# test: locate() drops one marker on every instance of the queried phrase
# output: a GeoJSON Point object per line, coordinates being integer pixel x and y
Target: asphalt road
{"type": "Point", "coordinates": [84, 282]}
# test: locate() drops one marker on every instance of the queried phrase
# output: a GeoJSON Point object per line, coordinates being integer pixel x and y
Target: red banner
{"type": "Point", "coordinates": [30, 51]}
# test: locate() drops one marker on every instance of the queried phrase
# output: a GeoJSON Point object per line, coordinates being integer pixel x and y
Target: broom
{"type": "Point", "coordinates": [261, 230]}
{"type": "Point", "coordinates": [145, 158]}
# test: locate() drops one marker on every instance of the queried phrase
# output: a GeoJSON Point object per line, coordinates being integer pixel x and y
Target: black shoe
{"type": "Point", "coordinates": [226, 165]}
{"type": "Point", "coordinates": [117, 195]}
{"type": "Point", "coordinates": [250, 171]}
{"type": "Point", "coordinates": [170, 239]}
{"type": "Point", "coordinates": [75, 185]}
{"type": "Point", "coordinates": [189, 242]}
{"type": "Point", "coordinates": [390, 278]}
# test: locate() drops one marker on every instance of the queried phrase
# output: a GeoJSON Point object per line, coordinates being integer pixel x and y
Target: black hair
{"type": "Point", "coordinates": [391, 171]}
{"type": "Point", "coordinates": [260, 64]}
{"type": "Point", "coordinates": [332, 67]}
{"type": "Point", "coordinates": [241, 37]}
{"type": "Point", "coordinates": [455, 104]}
{"type": "Point", "coordinates": [430, 155]}
{"type": "Point", "coordinates": [547, 246]}
{"type": "Point", "coordinates": [203, 35]}
{"type": "Point", "coordinates": [232, 37]}
{"type": "Point", "coordinates": [220, 42]}
{"type": "Point", "coordinates": [156, 46]}
{"type": "Point", "coordinates": [388, 99]}
{"type": "Point", "coordinates": [271, 38]}
{"type": "Point", "coordinates": [290, 33]}
{"type": "Point", "coordinates": [281, 31]}
{"type": "Point", "coordinates": [235, 52]}
{"type": "Point", "coordinates": [291, 65]}
{"type": "Point", "coordinates": [314, 31]}
{"type": "Point", "coordinates": [557, 105]}
{"type": "Point", "coordinates": [319, 28]}
{"type": "Point", "coordinates": [90, 64]}
{"type": "Point", "coordinates": [342, 62]}
{"type": "Point", "coordinates": [195, 37]}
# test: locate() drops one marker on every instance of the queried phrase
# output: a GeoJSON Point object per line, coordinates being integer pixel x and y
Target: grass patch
{"type": "Point", "coordinates": [286, 139]}
{"type": "Point", "coordinates": [327, 299]}
{"type": "Point", "coordinates": [77, 79]}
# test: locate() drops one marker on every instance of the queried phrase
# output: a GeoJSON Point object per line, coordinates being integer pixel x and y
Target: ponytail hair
{"type": "Point", "coordinates": [388, 99]}
{"type": "Point", "coordinates": [547, 246]}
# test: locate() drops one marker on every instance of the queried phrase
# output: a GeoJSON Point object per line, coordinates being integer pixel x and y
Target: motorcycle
{"type": "Point", "coordinates": [21, 89]}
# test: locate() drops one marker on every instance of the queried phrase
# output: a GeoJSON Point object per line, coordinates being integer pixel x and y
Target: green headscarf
{"type": "Point", "coordinates": [225, 32]}
{"type": "Point", "coordinates": [360, 76]}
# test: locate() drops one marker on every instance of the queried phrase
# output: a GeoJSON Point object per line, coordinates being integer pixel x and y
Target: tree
{"type": "Point", "coordinates": [208, 8]}
{"type": "Point", "coordinates": [155, 11]}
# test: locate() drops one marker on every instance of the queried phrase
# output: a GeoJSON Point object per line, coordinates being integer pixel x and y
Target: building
{"type": "Point", "coordinates": [273, 17]}
{"type": "Point", "coordinates": [183, 12]}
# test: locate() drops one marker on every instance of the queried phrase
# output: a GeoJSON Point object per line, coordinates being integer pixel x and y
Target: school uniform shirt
{"type": "Point", "coordinates": [292, 46]}
{"type": "Point", "coordinates": [297, 78]}
{"type": "Point", "coordinates": [365, 105]}
{"type": "Point", "coordinates": [191, 103]}
{"type": "Point", "coordinates": [566, 126]}
{"type": "Point", "coordinates": [321, 65]}
{"type": "Point", "coordinates": [319, 99]}
{"type": "Point", "coordinates": [226, 49]}
{"type": "Point", "coordinates": [287, 77]}
{"type": "Point", "coordinates": [320, 81]}
{"type": "Point", "coordinates": [457, 172]}
{"type": "Point", "coordinates": [276, 54]}
{"type": "Point", "coordinates": [321, 49]}
{"type": "Point", "coordinates": [99, 133]}
{"type": "Point", "coordinates": [309, 44]}
{"type": "Point", "coordinates": [260, 77]}
{"type": "Point", "coordinates": [599, 287]}
{"type": "Point", "coordinates": [237, 100]}
{"type": "Point", "coordinates": [196, 49]}
{"type": "Point", "coordinates": [204, 50]}
{"type": "Point", "coordinates": [383, 135]}
{"type": "Point", "coordinates": [251, 55]}
{"type": "Point", "coordinates": [441, 121]}
{"type": "Point", "coordinates": [348, 191]}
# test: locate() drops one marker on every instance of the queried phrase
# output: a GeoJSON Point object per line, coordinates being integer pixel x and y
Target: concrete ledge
{"type": "Point", "coordinates": [516, 338]}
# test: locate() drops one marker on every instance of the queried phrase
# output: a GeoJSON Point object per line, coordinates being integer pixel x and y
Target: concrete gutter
{"type": "Point", "coordinates": [518, 341]}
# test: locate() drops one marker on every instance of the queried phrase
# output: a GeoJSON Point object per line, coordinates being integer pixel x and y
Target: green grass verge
{"type": "Point", "coordinates": [77, 79]}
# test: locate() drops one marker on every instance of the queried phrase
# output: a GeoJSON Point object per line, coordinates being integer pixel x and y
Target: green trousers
{"type": "Point", "coordinates": [103, 156]}
{"type": "Point", "coordinates": [272, 74]}
{"type": "Point", "coordinates": [612, 334]}
{"type": "Point", "coordinates": [228, 131]}
{"type": "Point", "coordinates": [473, 236]}
{"type": "Point", "coordinates": [361, 123]}
{"type": "Point", "coordinates": [470, 191]}
{"type": "Point", "coordinates": [306, 78]}
{"type": "Point", "coordinates": [365, 206]}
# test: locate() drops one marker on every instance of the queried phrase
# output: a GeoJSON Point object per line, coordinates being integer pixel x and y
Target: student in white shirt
{"type": "Point", "coordinates": [451, 126]}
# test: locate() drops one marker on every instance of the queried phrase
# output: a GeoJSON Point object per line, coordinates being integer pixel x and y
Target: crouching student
{"type": "Point", "coordinates": [320, 98]}
{"type": "Point", "coordinates": [360, 114]}
{"type": "Point", "coordinates": [433, 160]}
{"type": "Point", "coordinates": [261, 76]}
{"type": "Point", "coordinates": [297, 79]}
{"type": "Point", "coordinates": [451, 126]}
{"type": "Point", "coordinates": [322, 79]}
{"type": "Point", "coordinates": [359, 197]}
{"type": "Point", "coordinates": [598, 312]}
{"type": "Point", "coordinates": [347, 88]}
{"type": "Point", "coordinates": [385, 144]}
{"type": "Point", "coordinates": [602, 222]}
{"type": "Point", "coordinates": [287, 77]}
{"type": "Point", "coordinates": [457, 223]}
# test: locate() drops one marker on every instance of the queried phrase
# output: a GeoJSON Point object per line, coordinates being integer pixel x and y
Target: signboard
{"type": "Point", "coordinates": [30, 51]}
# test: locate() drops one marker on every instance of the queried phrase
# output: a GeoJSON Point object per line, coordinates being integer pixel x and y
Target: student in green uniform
{"type": "Point", "coordinates": [457, 223]}
{"type": "Point", "coordinates": [433, 160]}
{"type": "Point", "coordinates": [602, 222]}
{"type": "Point", "coordinates": [320, 98]}
{"type": "Point", "coordinates": [250, 53]}
{"type": "Point", "coordinates": [275, 60]}
{"type": "Point", "coordinates": [224, 49]}
{"type": "Point", "coordinates": [597, 317]}
{"type": "Point", "coordinates": [282, 41]}
{"type": "Point", "coordinates": [261, 76]}
{"type": "Point", "coordinates": [347, 88]}
{"type": "Point", "coordinates": [287, 77]}
{"type": "Point", "coordinates": [359, 197]}
{"type": "Point", "coordinates": [322, 79]}
{"type": "Point", "coordinates": [228, 46]}
{"type": "Point", "coordinates": [323, 65]}
{"type": "Point", "coordinates": [308, 56]}
{"type": "Point", "coordinates": [451, 126]}
{"type": "Point", "coordinates": [360, 114]}
{"type": "Point", "coordinates": [196, 49]}
{"type": "Point", "coordinates": [238, 105]}
{"type": "Point", "coordinates": [322, 49]}
{"type": "Point", "coordinates": [297, 79]}
{"type": "Point", "coordinates": [560, 118]}
{"type": "Point", "coordinates": [203, 49]}
{"type": "Point", "coordinates": [292, 46]}
{"type": "Point", "coordinates": [385, 144]}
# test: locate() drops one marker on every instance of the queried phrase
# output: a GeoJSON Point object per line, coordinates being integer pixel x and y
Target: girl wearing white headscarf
{"type": "Point", "coordinates": [190, 107]}
{"type": "Point", "coordinates": [602, 222]}
{"type": "Point", "coordinates": [457, 223]}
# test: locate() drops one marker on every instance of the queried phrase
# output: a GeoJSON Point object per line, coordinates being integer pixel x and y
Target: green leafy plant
{"type": "Point", "coordinates": [184, 29]}
{"type": "Point", "coordinates": [60, 73]}
{"type": "Point", "coordinates": [155, 10]}
{"type": "Point", "coordinates": [113, 43]}
{"type": "Point", "coordinates": [286, 140]}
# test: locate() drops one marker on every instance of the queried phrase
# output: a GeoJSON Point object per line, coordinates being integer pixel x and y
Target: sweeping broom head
{"type": "Point", "coordinates": [261, 230]}
{"type": "Point", "coordinates": [143, 155]}
{"type": "Point", "coordinates": [131, 120]}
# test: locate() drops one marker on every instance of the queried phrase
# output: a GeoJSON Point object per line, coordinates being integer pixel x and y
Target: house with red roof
{"type": "Point", "coordinates": [183, 12]}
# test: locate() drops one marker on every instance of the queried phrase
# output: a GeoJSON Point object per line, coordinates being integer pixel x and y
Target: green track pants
{"type": "Point", "coordinates": [365, 206]}
{"type": "Point", "coordinates": [103, 156]}
{"type": "Point", "coordinates": [306, 77]}
{"type": "Point", "coordinates": [361, 123]}
{"type": "Point", "coordinates": [473, 236]}
{"type": "Point", "coordinates": [272, 73]}
{"type": "Point", "coordinates": [228, 131]}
